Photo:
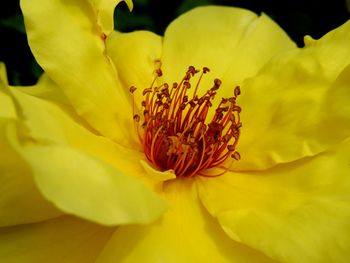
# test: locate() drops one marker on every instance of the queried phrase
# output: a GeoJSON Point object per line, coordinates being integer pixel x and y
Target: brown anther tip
{"type": "Point", "coordinates": [159, 72]}
{"type": "Point", "coordinates": [175, 85]}
{"type": "Point", "coordinates": [223, 100]}
{"type": "Point", "coordinates": [237, 91]}
{"type": "Point", "coordinates": [225, 109]}
{"type": "Point", "coordinates": [191, 69]}
{"type": "Point", "coordinates": [192, 103]}
{"type": "Point", "coordinates": [231, 148]}
{"type": "Point", "coordinates": [136, 118]}
{"type": "Point", "coordinates": [236, 156]}
{"type": "Point", "coordinates": [166, 95]}
{"type": "Point", "coordinates": [217, 82]}
{"type": "Point", "coordinates": [232, 100]}
{"type": "Point", "coordinates": [187, 85]}
{"type": "Point", "coordinates": [132, 89]}
{"type": "Point", "coordinates": [237, 108]}
{"type": "Point", "coordinates": [219, 115]}
{"type": "Point", "coordinates": [205, 70]}
{"type": "Point", "coordinates": [145, 91]}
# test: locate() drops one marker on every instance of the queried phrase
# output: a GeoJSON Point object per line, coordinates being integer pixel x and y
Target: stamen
{"type": "Point", "coordinates": [175, 133]}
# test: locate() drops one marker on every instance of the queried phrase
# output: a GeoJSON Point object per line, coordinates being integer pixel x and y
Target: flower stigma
{"type": "Point", "coordinates": [175, 132]}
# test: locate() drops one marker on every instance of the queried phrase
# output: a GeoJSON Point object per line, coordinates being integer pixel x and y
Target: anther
{"type": "Point", "coordinates": [182, 138]}
{"type": "Point", "coordinates": [231, 148]}
{"type": "Point", "coordinates": [236, 156]}
{"type": "Point", "coordinates": [237, 91]}
{"type": "Point", "coordinates": [145, 91]}
{"type": "Point", "coordinates": [159, 72]}
{"type": "Point", "coordinates": [217, 83]}
{"type": "Point", "coordinates": [205, 70]}
{"type": "Point", "coordinates": [136, 118]}
{"type": "Point", "coordinates": [132, 89]}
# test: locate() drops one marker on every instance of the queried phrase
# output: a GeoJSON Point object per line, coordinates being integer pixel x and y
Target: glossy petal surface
{"type": "Point", "coordinates": [298, 103]}
{"type": "Point", "coordinates": [20, 200]}
{"type": "Point", "coordinates": [186, 233]}
{"type": "Point", "coordinates": [65, 239]}
{"type": "Point", "coordinates": [74, 56]}
{"type": "Point", "coordinates": [234, 43]}
{"type": "Point", "coordinates": [140, 52]}
{"type": "Point", "coordinates": [298, 212]}
{"type": "Point", "coordinates": [83, 174]}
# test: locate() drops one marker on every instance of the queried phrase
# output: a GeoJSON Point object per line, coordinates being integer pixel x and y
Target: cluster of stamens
{"type": "Point", "coordinates": [174, 131]}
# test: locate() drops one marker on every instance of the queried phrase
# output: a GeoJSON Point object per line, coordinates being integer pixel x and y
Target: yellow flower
{"type": "Point", "coordinates": [77, 187]}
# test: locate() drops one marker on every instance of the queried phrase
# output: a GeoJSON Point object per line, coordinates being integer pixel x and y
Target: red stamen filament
{"type": "Point", "coordinates": [174, 132]}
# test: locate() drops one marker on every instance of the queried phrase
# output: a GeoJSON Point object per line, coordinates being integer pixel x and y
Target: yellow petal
{"type": "Point", "coordinates": [3, 74]}
{"type": "Point", "coordinates": [53, 122]}
{"type": "Point", "coordinates": [332, 45]}
{"type": "Point", "coordinates": [157, 175]}
{"type": "Point", "coordinates": [295, 212]}
{"type": "Point", "coordinates": [65, 239]}
{"type": "Point", "coordinates": [45, 89]}
{"type": "Point", "coordinates": [136, 55]}
{"type": "Point", "coordinates": [68, 43]}
{"type": "Point", "coordinates": [234, 43]}
{"type": "Point", "coordinates": [103, 190]}
{"type": "Point", "coordinates": [104, 11]}
{"type": "Point", "coordinates": [81, 185]}
{"type": "Point", "coordinates": [20, 200]}
{"type": "Point", "coordinates": [298, 105]}
{"type": "Point", "coordinates": [7, 109]}
{"type": "Point", "coordinates": [186, 233]}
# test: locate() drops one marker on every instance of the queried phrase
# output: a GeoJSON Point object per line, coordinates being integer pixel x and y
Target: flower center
{"type": "Point", "coordinates": [175, 131]}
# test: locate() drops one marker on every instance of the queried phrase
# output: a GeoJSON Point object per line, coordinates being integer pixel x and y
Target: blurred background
{"type": "Point", "coordinates": [297, 18]}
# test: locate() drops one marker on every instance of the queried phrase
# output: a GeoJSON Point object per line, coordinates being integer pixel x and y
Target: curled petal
{"type": "Point", "coordinates": [234, 43]}
{"type": "Point", "coordinates": [298, 104]}
{"type": "Point", "coordinates": [140, 53]}
{"type": "Point", "coordinates": [74, 57]}
{"type": "Point", "coordinates": [294, 211]}
{"type": "Point", "coordinates": [20, 202]}
{"type": "Point", "coordinates": [83, 174]}
{"type": "Point", "coordinates": [65, 239]}
{"type": "Point", "coordinates": [186, 233]}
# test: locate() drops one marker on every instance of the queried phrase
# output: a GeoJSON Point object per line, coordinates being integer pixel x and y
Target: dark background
{"type": "Point", "coordinates": [297, 18]}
